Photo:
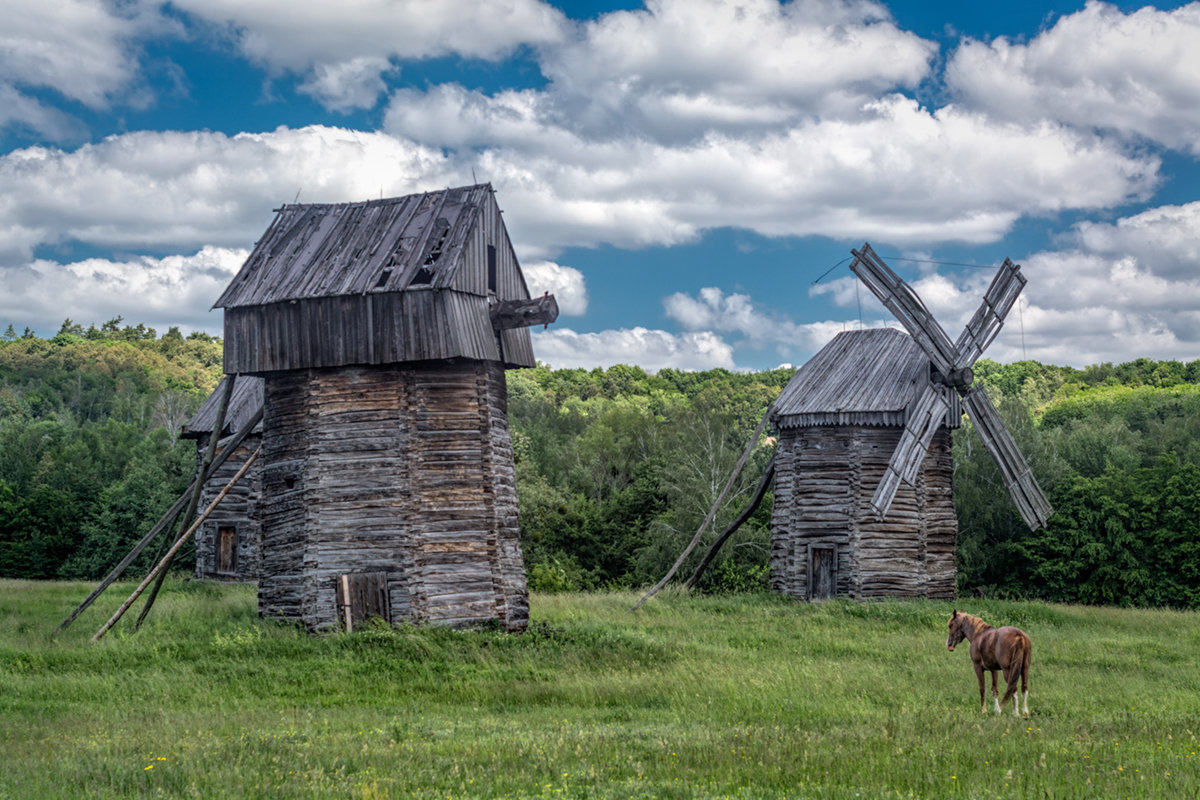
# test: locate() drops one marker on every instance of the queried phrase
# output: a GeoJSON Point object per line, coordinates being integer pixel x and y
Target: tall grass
{"type": "Point", "coordinates": [691, 697]}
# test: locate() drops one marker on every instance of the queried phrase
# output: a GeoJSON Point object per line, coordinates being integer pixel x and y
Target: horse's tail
{"type": "Point", "coordinates": [1018, 667]}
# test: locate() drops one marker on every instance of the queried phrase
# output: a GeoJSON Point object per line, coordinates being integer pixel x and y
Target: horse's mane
{"type": "Point", "coordinates": [976, 624]}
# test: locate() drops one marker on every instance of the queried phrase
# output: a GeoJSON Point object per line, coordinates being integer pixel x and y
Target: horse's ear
{"type": "Point", "coordinates": [955, 614]}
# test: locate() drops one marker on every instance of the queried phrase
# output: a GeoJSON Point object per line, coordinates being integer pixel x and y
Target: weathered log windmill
{"type": "Point", "coordinates": [382, 331]}
{"type": "Point", "coordinates": [227, 542]}
{"type": "Point", "coordinates": [864, 503]}
{"type": "Point", "coordinates": [872, 413]}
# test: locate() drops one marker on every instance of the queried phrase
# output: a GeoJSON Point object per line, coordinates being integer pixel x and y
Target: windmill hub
{"type": "Point", "coordinates": [960, 379]}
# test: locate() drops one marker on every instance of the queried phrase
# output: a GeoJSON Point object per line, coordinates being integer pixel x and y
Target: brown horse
{"type": "Point", "coordinates": [992, 649]}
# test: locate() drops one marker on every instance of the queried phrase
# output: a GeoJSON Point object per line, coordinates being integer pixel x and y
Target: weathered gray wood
{"type": "Point", "coordinates": [401, 470]}
{"type": "Point", "coordinates": [163, 523]}
{"type": "Point", "coordinates": [738, 522]}
{"type": "Point", "coordinates": [361, 597]}
{"type": "Point", "coordinates": [712, 512]}
{"type": "Point", "coordinates": [1033, 506]}
{"type": "Point", "coordinates": [205, 466]}
{"type": "Point", "coordinates": [162, 565]}
{"type": "Point", "coordinates": [907, 553]}
{"type": "Point", "coordinates": [509, 314]}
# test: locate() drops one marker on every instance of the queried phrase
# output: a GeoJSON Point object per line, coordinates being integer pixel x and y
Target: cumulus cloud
{"type": "Point", "coordinates": [85, 50]}
{"type": "Point", "coordinates": [1098, 68]}
{"type": "Point", "coordinates": [679, 65]}
{"type": "Point", "coordinates": [160, 292]}
{"type": "Point", "coordinates": [565, 283]}
{"type": "Point", "coordinates": [156, 190]}
{"type": "Point", "coordinates": [1114, 292]}
{"type": "Point", "coordinates": [758, 328]}
{"type": "Point", "coordinates": [650, 349]}
{"type": "Point", "coordinates": [903, 173]}
{"type": "Point", "coordinates": [342, 49]}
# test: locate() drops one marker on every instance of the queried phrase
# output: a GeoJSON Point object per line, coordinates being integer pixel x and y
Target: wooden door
{"type": "Point", "coordinates": [362, 596]}
{"type": "Point", "coordinates": [226, 550]}
{"type": "Point", "coordinates": [822, 572]}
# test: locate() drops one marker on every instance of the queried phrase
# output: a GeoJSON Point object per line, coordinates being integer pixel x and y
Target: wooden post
{"type": "Point", "coordinates": [168, 518]}
{"type": "Point", "coordinates": [209, 452]}
{"type": "Point", "coordinates": [759, 493]}
{"type": "Point", "coordinates": [162, 565]}
{"type": "Point", "coordinates": [712, 512]}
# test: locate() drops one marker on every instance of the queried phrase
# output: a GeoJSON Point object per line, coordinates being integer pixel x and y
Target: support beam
{"type": "Point", "coordinates": [162, 565]}
{"type": "Point", "coordinates": [163, 523]}
{"type": "Point", "coordinates": [209, 452]}
{"type": "Point", "coordinates": [759, 494]}
{"type": "Point", "coordinates": [712, 512]}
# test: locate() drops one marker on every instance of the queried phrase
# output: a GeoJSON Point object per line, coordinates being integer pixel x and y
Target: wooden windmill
{"type": "Point", "coordinates": [864, 499]}
{"type": "Point", "coordinates": [381, 331]}
{"type": "Point", "coordinates": [869, 417]}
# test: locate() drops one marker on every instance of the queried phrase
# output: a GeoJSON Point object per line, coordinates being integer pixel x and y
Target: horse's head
{"type": "Point", "coordinates": [957, 634]}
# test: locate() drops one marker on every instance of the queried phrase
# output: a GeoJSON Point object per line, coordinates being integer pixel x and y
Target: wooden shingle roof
{"type": "Point", "coordinates": [244, 403]}
{"type": "Point", "coordinates": [863, 377]}
{"type": "Point", "coordinates": [330, 250]}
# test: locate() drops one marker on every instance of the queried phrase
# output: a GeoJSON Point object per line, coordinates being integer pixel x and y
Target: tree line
{"type": "Point", "coordinates": [617, 467]}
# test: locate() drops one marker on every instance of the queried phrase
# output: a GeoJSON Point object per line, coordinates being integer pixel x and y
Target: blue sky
{"type": "Point", "coordinates": [680, 173]}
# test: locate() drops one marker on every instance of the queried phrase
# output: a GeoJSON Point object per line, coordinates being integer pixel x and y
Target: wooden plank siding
{"type": "Point", "coordinates": [405, 470]}
{"type": "Point", "coordinates": [824, 479]}
{"type": "Point", "coordinates": [239, 509]}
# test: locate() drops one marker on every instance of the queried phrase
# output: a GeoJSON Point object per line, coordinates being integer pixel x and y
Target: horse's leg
{"type": "Point", "coordinates": [1024, 687]}
{"type": "Point", "coordinates": [982, 688]}
{"type": "Point", "coordinates": [995, 691]}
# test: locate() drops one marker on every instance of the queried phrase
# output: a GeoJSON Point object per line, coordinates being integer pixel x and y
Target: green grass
{"type": "Point", "coordinates": [745, 697]}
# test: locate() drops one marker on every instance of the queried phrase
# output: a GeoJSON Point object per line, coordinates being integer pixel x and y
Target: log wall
{"type": "Point", "coordinates": [403, 469]}
{"type": "Point", "coordinates": [239, 509]}
{"type": "Point", "coordinates": [825, 477]}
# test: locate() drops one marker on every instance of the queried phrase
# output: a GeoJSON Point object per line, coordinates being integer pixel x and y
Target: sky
{"type": "Point", "coordinates": [686, 176]}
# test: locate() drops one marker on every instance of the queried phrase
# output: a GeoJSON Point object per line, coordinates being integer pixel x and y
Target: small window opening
{"type": "Point", "coordinates": [423, 276]}
{"type": "Point", "coordinates": [383, 279]}
{"type": "Point", "coordinates": [491, 266]}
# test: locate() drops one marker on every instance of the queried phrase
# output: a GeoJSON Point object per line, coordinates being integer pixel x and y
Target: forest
{"type": "Point", "coordinates": [617, 467]}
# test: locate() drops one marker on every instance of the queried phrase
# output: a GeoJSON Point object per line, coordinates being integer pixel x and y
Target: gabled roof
{"type": "Point", "coordinates": [863, 377]}
{"type": "Point", "coordinates": [329, 250]}
{"type": "Point", "coordinates": [244, 403]}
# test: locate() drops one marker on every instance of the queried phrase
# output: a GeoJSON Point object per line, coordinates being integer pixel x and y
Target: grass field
{"type": "Point", "coordinates": [746, 697]}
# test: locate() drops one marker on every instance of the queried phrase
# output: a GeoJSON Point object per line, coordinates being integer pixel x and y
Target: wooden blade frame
{"type": "Point", "coordinates": [952, 359]}
{"type": "Point", "coordinates": [1001, 295]}
{"type": "Point", "coordinates": [1033, 506]}
{"type": "Point", "coordinates": [896, 295]}
{"type": "Point", "coordinates": [924, 417]}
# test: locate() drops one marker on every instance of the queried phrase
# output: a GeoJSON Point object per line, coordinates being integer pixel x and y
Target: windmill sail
{"type": "Point", "coordinates": [928, 412]}
{"type": "Point", "coordinates": [1026, 494]}
{"type": "Point", "coordinates": [896, 295]}
{"type": "Point", "coordinates": [953, 361]}
{"type": "Point", "coordinates": [997, 302]}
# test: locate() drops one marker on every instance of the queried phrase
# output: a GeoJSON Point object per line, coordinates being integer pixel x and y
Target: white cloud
{"type": "Point", "coordinates": [737, 313]}
{"type": "Point", "coordinates": [160, 292]}
{"type": "Point", "coordinates": [1168, 237]}
{"type": "Point", "coordinates": [902, 174]}
{"type": "Point", "coordinates": [650, 349]}
{"type": "Point", "coordinates": [171, 190]}
{"type": "Point", "coordinates": [341, 49]}
{"type": "Point", "coordinates": [565, 283]}
{"type": "Point", "coordinates": [682, 64]}
{"type": "Point", "coordinates": [1133, 73]}
{"type": "Point", "coordinates": [1115, 292]}
{"type": "Point", "coordinates": [347, 85]}
{"type": "Point", "coordinates": [85, 50]}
